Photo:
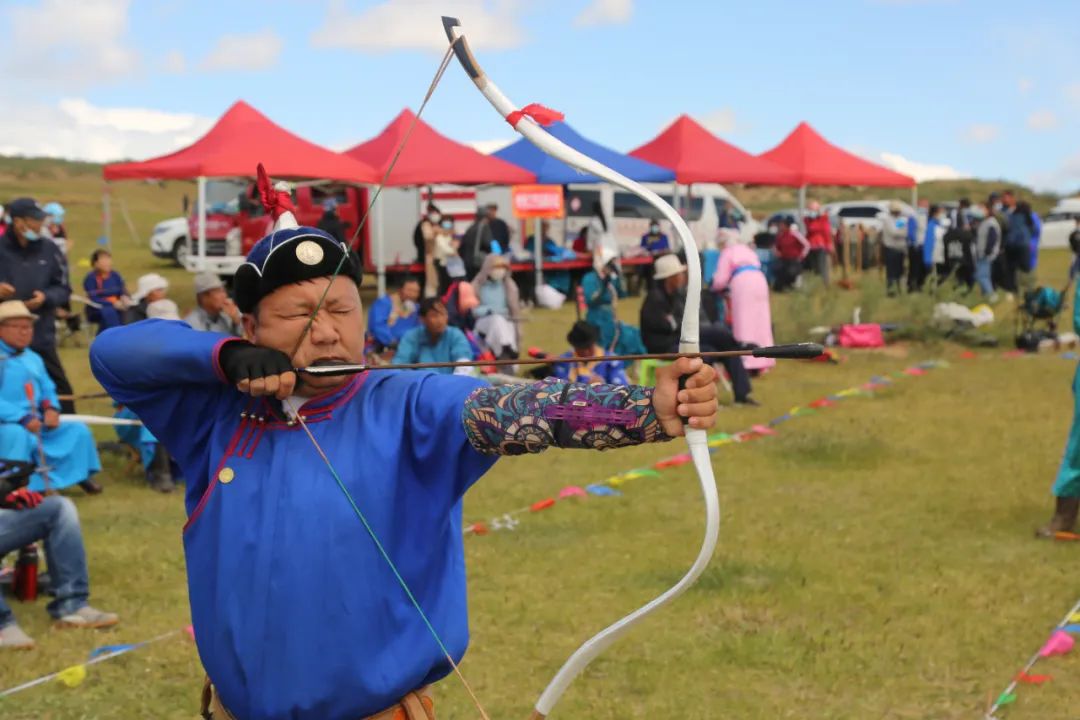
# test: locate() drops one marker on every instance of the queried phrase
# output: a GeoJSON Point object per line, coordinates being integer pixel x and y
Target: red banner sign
{"type": "Point", "coordinates": [537, 201]}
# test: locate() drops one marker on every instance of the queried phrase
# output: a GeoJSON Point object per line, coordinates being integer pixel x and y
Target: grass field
{"type": "Point", "coordinates": [876, 560]}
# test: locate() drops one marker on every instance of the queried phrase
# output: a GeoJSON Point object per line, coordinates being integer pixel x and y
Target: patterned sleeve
{"type": "Point", "coordinates": [518, 419]}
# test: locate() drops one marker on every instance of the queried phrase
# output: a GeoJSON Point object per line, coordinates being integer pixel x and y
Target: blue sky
{"type": "Point", "coordinates": [933, 88]}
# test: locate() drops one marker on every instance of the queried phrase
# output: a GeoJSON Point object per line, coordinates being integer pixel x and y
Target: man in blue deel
{"type": "Point", "coordinates": [298, 564]}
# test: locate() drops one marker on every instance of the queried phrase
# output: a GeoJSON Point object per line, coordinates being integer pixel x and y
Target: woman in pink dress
{"type": "Point", "coordinates": [739, 272]}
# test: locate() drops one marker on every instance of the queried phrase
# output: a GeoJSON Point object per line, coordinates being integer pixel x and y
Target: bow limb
{"type": "Point", "coordinates": [695, 438]}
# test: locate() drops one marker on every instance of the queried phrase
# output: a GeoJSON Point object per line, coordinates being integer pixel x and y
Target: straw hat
{"type": "Point", "coordinates": [15, 309]}
{"type": "Point", "coordinates": [666, 266]}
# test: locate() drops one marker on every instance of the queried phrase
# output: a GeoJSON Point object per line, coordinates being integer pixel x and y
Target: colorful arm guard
{"type": "Point", "coordinates": [518, 419]}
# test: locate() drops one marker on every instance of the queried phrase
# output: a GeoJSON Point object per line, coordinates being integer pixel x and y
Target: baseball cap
{"type": "Point", "coordinates": [25, 207]}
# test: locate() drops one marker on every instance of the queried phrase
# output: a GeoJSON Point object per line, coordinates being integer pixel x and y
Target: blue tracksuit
{"type": "Point", "coordinates": [296, 614]}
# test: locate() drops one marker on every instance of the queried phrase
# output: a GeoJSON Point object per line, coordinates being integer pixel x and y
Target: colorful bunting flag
{"type": "Point", "coordinates": [602, 490]}
{"type": "Point", "coordinates": [1033, 679]}
{"type": "Point", "coordinates": [673, 461]}
{"type": "Point", "coordinates": [110, 649]}
{"type": "Point", "coordinates": [571, 491]}
{"type": "Point", "coordinates": [72, 676]}
{"type": "Point", "coordinates": [1005, 699]}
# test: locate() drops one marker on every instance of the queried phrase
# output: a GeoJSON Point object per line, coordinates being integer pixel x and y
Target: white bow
{"type": "Point", "coordinates": [688, 343]}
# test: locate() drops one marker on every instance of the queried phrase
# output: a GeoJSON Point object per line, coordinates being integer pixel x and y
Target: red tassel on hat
{"type": "Point", "coordinates": [542, 115]}
{"type": "Point", "coordinates": [275, 202]}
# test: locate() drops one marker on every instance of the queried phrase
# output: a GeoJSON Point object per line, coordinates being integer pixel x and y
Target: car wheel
{"type": "Point", "coordinates": [180, 251]}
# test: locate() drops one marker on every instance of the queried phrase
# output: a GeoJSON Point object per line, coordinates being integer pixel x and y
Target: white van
{"type": "Point", "coordinates": [700, 205]}
{"type": "Point", "coordinates": [1060, 223]}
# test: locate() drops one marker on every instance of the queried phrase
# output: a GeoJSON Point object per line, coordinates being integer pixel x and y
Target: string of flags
{"type": "Point", "coordinates": [74, 675]}
{"type": "Point", "coordinates": [1060, 642]}
{"type": "Point", "coordinates": [610, 487]}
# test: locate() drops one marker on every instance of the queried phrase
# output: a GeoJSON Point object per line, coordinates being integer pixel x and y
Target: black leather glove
{"type": "Point", "coordinates": [240, 360]}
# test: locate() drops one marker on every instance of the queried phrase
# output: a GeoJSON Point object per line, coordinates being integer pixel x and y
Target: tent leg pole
{"type": "Point", "coordinates": [538, 254]}
{"type": "Point", "coordinates": [201, 183]}
{"type": "Point", "coordinates": [915, 195]}
{"type": "Point", "coordinates": [106, 216]}
{"type": "Point", "coordinates": [380, 263]}
{"type": "Point", "coordinates": [802, 207]}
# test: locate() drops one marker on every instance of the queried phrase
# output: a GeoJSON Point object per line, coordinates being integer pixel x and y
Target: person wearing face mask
{"type": "Point", "coordinates": [424, 241]}
{"type": "Point", "coordinates": [448, 263]}
{"type": "Point", "coordinates": [36, 273]}
{"type": "Point", "coordinates": [655, 242]}
{"type": "Point", "coordinates": [499, 311]}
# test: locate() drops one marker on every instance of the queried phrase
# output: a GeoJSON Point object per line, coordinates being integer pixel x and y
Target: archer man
{"type": "Point", "coordinates": [333, 588]}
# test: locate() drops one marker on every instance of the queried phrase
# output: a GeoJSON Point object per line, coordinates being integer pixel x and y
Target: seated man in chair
{"type": "Point", "coordinates": [26, 518]}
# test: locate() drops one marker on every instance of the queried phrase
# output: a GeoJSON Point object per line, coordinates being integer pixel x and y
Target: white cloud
{"type": "Point", "coordinates": [919, 170]}
{"type": "Point", "coordinates": [246, 51]}
{"type": "Point", "coordinates": [75, 129]}
{"type": "Point", "coordinates": [605, 12]}
{"type": "Point", "coordinates": [489, 146]}
{"type": "Point", "coordinates": [406, 25]}
{"type": "Point", "coordinates": [70, 44]}
{"type": "Point", "coordinates": [1024, 85]}
{"type": "Point", "coordinates": [980, 133]}
{"type": "Point", "coordinates": [1041, 120]}
{"type": "Point", "coordinates": [174, 63]}
{"type": "Point", "coordinates": [720, 122]}
{"type": "Point", "coordinates": [1064, 178]}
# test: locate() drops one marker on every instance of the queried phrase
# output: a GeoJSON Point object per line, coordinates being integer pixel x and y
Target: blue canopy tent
{"type": "Point", "coordinates": [550, 171]}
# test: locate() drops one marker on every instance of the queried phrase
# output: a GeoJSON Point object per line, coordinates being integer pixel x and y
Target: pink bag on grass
{"type": "Point", "coordinates": [867, 335]}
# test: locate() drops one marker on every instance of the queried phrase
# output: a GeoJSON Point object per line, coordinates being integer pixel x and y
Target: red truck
{"type": "Point", "coordinates": [234, 226]}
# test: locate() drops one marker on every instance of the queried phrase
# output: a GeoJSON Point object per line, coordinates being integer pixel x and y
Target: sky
{"type": "Point", "coordinates": [933, 88]}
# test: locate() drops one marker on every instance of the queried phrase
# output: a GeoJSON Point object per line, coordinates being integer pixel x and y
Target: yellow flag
{"type": "Point", "coordinates": [72, 676]}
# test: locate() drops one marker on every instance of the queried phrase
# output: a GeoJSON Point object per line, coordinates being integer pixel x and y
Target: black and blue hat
{"type": "Point", "coordinates": [290, 254]}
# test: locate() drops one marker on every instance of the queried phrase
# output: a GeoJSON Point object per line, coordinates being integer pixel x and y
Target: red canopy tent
{"type": "Point", "coordinates": [816, 161]}
{"type": "Point", "coordinates": [430, 158]}
{"type": "Point", "coordinates": [696, 155]}
{"type": "Point", "coordinates": [241, 139]}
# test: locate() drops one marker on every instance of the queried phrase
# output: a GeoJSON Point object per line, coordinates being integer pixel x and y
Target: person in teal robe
{"type": "Point", "coordinates": [30, 410]}
{"type": "Point", "coordinates": [1066, 488]}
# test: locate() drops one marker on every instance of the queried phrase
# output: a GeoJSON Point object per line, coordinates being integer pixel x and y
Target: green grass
{"type": "Point", "coordinates": [875, 559]}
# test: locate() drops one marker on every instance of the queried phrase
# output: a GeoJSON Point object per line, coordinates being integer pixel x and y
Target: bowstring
{"type": "Point", "coordinates": [397, 574]}
{"type": "Point", "coordinates": [318, 448]}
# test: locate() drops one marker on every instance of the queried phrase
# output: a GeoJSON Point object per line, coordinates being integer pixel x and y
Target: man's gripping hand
{"type": "Point", "coordinates": [695, 403]}
{"type": "Point", "coordinates": [256, 370]}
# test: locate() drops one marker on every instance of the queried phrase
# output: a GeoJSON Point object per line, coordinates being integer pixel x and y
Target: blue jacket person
{"type": "Point", "coordinates": [297, 613]}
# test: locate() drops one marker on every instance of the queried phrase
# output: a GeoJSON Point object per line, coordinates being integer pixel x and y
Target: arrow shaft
{"type": "Point", "coordinates": [785, 351]}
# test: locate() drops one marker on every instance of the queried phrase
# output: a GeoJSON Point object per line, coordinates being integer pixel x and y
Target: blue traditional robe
{"type": "Point", "coordinates": [70, 451]}
{"type": "Point", "coordinates": [297, 615]}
